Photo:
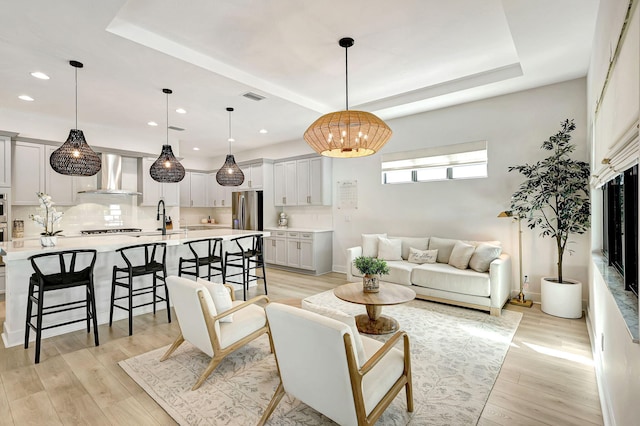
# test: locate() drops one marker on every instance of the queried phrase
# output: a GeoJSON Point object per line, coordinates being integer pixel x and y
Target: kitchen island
{"type": "Point", "coordinates": [18, 270]}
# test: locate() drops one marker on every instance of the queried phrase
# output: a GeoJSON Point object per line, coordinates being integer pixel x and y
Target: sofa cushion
{"type": "Point", "coordinates": [461, 254]}
{"type": "Point", "coordinates": [408, 242]}
{"type": "Point", "coordinates": [444, 247]}
{"type": "Point", "coordinates": [370, 244]}
{"type": "Point", "coordinates": [422, 256]}
{"type": "Point", "coordinates": [389, 249]}
{"type": "Point", "coordinates": [399, 272]}
{"type": "Point", "coordinates": [483, 256]}
{"type": "Point", "coordinates": [448, 278]}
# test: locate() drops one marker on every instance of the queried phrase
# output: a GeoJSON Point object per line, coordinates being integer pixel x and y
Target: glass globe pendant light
{"type": "Point", "coordinates": [167, 168]}
{"type": "Point", "coordinates": [75, 157]}
{"type": "Point", "coordinates": [346, 134]}
{"type": "Point", "coordinates": [230, 174]}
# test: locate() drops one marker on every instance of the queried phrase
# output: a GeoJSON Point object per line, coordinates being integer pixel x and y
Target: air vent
{"type": "Point", "coordinates": [253, 96]}
{"type": "Point", "coordinates": [179, 129]}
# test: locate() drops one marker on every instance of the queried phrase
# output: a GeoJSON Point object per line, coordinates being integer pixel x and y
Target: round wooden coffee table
{"type": "Point", "coordinates": [374, 322]}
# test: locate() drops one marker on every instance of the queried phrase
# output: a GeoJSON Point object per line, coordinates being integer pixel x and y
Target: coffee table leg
{"type": "Point", "coordinates": [374, 322]}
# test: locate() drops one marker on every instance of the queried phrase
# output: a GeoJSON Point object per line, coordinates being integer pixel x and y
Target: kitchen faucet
{"type": "Point", "coordinates": [164, 217]}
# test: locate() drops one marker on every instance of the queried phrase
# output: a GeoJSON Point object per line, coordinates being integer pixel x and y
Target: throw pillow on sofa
{"type": "Point", "coordinates": [483, 256]}
{"type": "Point", "coordinates": [461, 254]}
{"type": "Point", "coordinates": [370, 244]}
{"type": "Point", "coordinates": [444, 247]}
{"type": "Point", "coordinates": [422, 256]}
{"type": "Point", "coordinates": [389, 249]}
{"type": "Point", "coordinates": [420, 243]}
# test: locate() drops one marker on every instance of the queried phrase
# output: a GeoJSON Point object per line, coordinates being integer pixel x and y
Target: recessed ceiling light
{"type": "Point", "coordinates": [231, 140]}
{"type": "Point", "coordinates": [181, 111]}
{"type": "Point", "coordinates": [40, 75]}
{"type": "Point", "coordinates": [152, 123]}
{"type": "Point", "coordinates": [263, 131]}
{"type": "Point", "coordinates": [195, 148]}
{"type": "Point", "coordinates": [26, 98]}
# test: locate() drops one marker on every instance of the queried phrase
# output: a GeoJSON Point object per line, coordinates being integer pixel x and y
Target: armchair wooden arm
{"type": "Point", "coordinates": [240, 306]}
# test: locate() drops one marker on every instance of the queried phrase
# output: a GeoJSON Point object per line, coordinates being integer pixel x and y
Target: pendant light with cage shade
{"type": "Point", "coordinates": [75, 157]}
{"type": "Point", "coordinates": [167, 168]}
{"type": "Point", "coordinates": [230, 174]}
{"type": "Point", "coordinates": [347, 134]}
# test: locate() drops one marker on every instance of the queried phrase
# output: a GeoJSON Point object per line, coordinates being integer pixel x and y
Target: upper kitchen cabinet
{"type": "Point", "coordinates": [193, 190]}
{"type": "Point", "coordinates": [303, 182]}
{"type": "Point", "coordinates": [153, 191]}
{"type": "Point", "coordinates": [42, 178]}
{"type": "Point", "coordinates": [5, 161]}
{"type": "Point", "coordinates": [253, 175]}
{"type": "Point", "coordinates": [217, 195]}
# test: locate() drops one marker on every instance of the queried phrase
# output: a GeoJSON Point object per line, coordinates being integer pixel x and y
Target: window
{"type": "Point", "coordinates": [620, 225]}
{"type": "Point", "coordinates": [459, 161]}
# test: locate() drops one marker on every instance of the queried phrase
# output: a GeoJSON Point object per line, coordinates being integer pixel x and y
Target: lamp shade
{"type": "Point", "coordinates": [167, 168]}
{"type": "Point", "coordinates": [230, 174]}
{"type": "Point", "coordinates": [75, 157]}
{"type": "Point", "coordinates": [347, 134]}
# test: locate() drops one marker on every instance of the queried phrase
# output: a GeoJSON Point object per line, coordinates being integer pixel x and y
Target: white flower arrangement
{"type": "Point", "coordinates": [51, 215]}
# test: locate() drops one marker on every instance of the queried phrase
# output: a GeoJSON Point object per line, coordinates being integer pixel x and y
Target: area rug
{"type": "Point", "coordinates": [456, 356]}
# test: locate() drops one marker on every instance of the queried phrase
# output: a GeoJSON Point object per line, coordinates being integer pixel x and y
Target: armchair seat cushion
{"type": "Point", "coordinates": [245, 321]}
{"type": "Point", "coordinates": [379, 380]}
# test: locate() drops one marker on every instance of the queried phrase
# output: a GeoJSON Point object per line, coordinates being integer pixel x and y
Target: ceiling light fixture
{"type": "Point", "coordinates": [75, 157]}
{"type": "Point", "coordinates": [181, 111]}
{"type": "Point", "coordinates": [195, 148]}
{"type": "Point", "coordinates": [347, 134]}
{"type": "Point", "coordinates": [264, 131]}
{"type": "Point", "coordinates": [167, 168]}
{"type": "Point", "coordinates": [26, 98]}
{"type": "Point", "coordinates": [152, 123]}
{"type": "Point", "coordinates": [40, 75]}
{"type": "Point", "coordinates": [230, 174]}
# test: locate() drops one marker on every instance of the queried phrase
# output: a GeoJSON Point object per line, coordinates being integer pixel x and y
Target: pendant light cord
{"type": "Point", "coordinates": [167, 119]}
{"type": "Point", "coordinates": [346, 75]}
{"type": "Point", "coordinates": [76, 69]}
{"type": "Point", "coordinates": [229, 139]}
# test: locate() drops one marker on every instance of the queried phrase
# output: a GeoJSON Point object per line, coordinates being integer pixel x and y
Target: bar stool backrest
{"type": "Point", "coordinates": [206, 248]}
{"type": "Point", "coordinates": [65, 267]}
{"type": "Point", "coordinates": [143, 254]}
{"type": "Point", "coordinates": [247, 244]}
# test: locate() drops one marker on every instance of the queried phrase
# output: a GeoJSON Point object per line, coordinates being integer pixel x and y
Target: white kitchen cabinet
{"type": "Point", "coordinates": [217, 195]}
{"type": "Point", "coordinates": [5, 161]}
{"type": "Point", "coordinates": [306, 251]}
{"type": "Point", "coordinates": [193, 190]}
{"type": "Point", "coordinates": [40, 177]}
{"type": "Point", "coordinates": [253, 175]}
{"type": "Point", "coordinates": [303, 182]}
{"type": "Point", "coordinates": [154, 191]}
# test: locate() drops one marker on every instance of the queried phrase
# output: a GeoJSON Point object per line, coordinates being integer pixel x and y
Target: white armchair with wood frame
{"type": "Point", "coordinates": [319, 364]}
{"type": "Point", "coordinates": [216, 334]}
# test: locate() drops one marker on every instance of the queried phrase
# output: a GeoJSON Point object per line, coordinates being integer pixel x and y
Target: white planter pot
{"type": "Point", "coordinates": [48, 241]}
{"type": "Point", "coordinates": [561, 299]}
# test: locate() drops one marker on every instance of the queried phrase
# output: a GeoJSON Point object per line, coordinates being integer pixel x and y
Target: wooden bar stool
{"type": "Point", "coordinates": [153, 263]}
{"type": "Point", "coordinates": [248, 255]}
{"type": "Point", "coordinates": [207, 253]}
{"type": "Point", "coordinates": [58, 271]}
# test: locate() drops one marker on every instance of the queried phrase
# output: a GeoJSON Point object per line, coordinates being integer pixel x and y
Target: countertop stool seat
{"type": "Point", "coordinates": [207, 253]}
{"type": "Point", "coordinates": [55, 272]}
{"type": "Point", "coordinates": [141, 260]}
{"type": "Point", "coordinates": [245, 254]}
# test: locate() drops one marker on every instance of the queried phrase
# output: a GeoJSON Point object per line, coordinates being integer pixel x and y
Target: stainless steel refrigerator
{"type": "Point", "coordinates": [246, 210]}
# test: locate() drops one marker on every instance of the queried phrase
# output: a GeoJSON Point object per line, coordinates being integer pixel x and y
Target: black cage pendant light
{"type": "Point", "coordinates": [167, 168]}
{"type": "Point", "coordinates": [75, 157]}
{"type": "Point", "coordinates": [348, 133]}
{"type": "Point", "coordinates": [230, 174]}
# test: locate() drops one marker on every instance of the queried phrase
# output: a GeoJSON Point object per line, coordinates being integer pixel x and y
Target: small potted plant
{"type": "Point", "coordinates": [371, 268]}
{"type": "Point", "coordinates": [49, 218]}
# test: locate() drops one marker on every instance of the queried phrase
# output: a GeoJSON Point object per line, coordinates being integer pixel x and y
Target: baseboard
{"type": "Point", "coordinates": [605, 404]}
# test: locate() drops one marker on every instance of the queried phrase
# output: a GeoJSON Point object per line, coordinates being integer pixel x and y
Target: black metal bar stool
{"type": "Point", "coordinates": [153, 263]}
{"type": "Point", "coordinates": [248, 255]}
{"type": "Point", "coordinates": [73, 268]}
{"type": "Point", "coordinates": [206, 252]}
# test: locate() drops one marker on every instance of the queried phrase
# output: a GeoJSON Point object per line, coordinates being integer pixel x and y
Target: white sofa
{"type": "Point", "coordinates": [440, 281]}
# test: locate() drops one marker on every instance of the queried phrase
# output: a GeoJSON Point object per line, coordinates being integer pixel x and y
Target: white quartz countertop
{"type": "Point", "coordinates": [23, 248]}
{"type": "Point", "coordinates": [297, 229]}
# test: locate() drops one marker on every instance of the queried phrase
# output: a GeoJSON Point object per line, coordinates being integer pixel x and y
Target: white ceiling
{"type": "Point", "coordinates": [409, 56]}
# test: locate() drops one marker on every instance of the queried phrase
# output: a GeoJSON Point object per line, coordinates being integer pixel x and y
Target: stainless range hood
{"type": "Point", "coordinates": [110, 177]}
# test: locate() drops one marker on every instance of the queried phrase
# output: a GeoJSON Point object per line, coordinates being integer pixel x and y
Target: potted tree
{"type": "Point", "coordinates": [555, 199]}
{"type": "Point", "coordinates": [371, 268]}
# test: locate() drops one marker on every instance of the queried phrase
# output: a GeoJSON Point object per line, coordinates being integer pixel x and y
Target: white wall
{"type": "Point", "coordinates": [514, 126]}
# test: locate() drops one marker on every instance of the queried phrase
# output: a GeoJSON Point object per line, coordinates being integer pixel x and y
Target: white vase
{"type": "Point", "coordinates": [48, 241]}
{"type": "Point", "coordinates": [561, 299]}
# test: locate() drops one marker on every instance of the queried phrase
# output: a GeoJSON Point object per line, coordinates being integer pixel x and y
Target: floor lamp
{"type": "Point", "coordinates": [520, 300]}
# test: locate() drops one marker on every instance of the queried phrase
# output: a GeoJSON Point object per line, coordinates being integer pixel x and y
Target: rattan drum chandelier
{"type": "Point", "coordinates": [167, 168]}
{"type": "Point", "coordinates": [230, 174]}
{"type": "Point", "coordinates": [347, 134]}
{"type": "Point", "coordinates": [75, 157]}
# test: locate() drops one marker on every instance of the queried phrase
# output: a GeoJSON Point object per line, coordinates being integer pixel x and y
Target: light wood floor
{"type": "Point", "coordinates": [547, 377]}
